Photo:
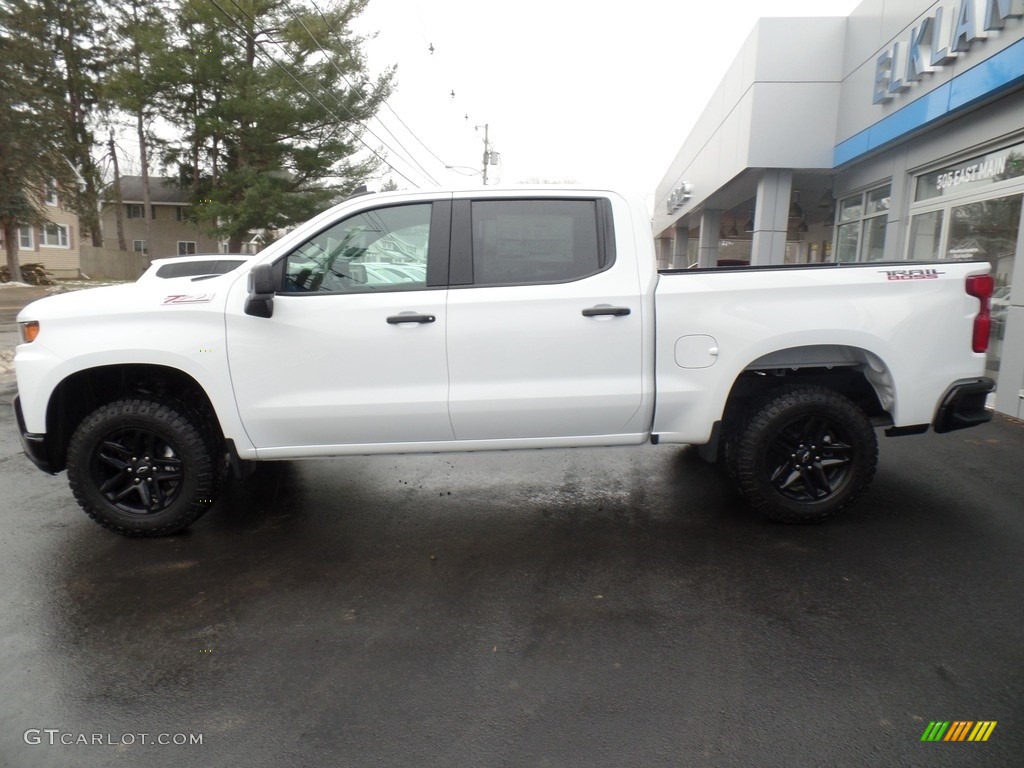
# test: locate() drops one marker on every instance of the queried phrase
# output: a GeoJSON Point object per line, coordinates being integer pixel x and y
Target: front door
{"type": "Point", "coordinates": [355, 350]}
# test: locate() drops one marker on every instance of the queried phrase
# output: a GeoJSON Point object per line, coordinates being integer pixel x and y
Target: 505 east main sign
{"type": "Point", "coordinates": [939, 39]}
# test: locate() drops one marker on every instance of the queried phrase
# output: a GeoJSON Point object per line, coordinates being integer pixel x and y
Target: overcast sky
{"type": "Point", "coordinates": [577, 90]}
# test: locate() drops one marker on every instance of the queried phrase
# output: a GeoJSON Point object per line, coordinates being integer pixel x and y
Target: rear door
{"type": "Point", "coordinates": [544, 321]}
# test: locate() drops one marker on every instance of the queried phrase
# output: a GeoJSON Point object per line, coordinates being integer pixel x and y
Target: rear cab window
{"type": "Point", "coordinates": [508, 242]}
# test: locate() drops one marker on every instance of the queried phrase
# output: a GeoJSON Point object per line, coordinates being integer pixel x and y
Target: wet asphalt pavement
{"type": "Point", "coordinates": [608, 607]}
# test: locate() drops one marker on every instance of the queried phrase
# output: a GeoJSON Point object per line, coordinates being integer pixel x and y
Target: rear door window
{"type": "Point", "coordinates": [523, 242]}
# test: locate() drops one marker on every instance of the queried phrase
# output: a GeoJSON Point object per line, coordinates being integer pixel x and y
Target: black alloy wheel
{"type": "Point", "coordinates": [806, 453]}
{"type": "Point", "coordinates": [138, 471]}
{"type": "Point", "coordinates": [143, 467]}
{"type": "Point", "coordinates": [809, 459]}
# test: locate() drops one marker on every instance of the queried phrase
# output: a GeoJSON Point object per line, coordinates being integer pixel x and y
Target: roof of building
{"type": "Point", "coordinates": [163, 190]}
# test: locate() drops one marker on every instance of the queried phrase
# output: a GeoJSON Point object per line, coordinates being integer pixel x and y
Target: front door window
{"type": "Point", "coordinates": [376, 251]}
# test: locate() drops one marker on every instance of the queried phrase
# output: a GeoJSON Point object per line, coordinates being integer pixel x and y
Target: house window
{"type": "Point", "coordinates": [25, 239]}
{"type": "Point", "coordinates": [179, 213]}
{"type": "Point", "coordinates": [186, 247]}
{"type": "Point", "coordinates": [54, 236]}
{"type": "Point", "coordinates": [139, 246]}
{"type": "Point", "coordinates": [860, 235]}
{"type": "Point", "coordinates": [51, 193]}
{"type": "Point", "coordinates": [135, 211]}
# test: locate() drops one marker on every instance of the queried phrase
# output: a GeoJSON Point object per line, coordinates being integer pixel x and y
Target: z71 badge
{"type": "Point", "coordinates": [189, 298]}
{"type": "Point", "coordinates": [911, 274]}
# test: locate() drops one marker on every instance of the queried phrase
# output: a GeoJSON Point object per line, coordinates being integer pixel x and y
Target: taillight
{"type": "Point", "coordinates": [981, 287]}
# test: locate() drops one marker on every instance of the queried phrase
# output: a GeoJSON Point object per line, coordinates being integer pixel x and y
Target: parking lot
{"type": "Point", "coordinates": [606, 607]}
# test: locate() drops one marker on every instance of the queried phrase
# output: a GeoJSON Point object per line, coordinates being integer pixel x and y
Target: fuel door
{"type": "Point", "coordinates": [696, 351]}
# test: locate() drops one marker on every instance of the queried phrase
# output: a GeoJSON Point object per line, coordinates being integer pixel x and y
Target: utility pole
{"type": "Point", "coordinates": [487, 151]}
{"type": "Point", "coordinates": [490, 157]}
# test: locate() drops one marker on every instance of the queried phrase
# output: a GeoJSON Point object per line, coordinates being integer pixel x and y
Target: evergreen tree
{"type": "Point", "coordinates": [74, 34]}
{"type": "Point", "coordinates": [269, 97]}
{"type": "Point", "coordinates": [133, 83]}
{"type": "Point", "coordinates": [31, 129]}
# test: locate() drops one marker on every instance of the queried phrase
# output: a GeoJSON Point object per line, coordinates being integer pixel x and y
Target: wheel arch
{"type": "Point", "coordinates": [82, 392]}
{"type": "Point", "coordinates": [857, 373]}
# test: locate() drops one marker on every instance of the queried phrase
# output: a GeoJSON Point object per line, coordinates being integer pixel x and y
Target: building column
{"type": "Point", "coordinates": [664, 252]}
{"type": "Point", "coordinates": [707, 248]}
{"type": "Point", "coordinates": [681, 247]}
{"type": "Point", "coordinates": [895, 225]}
{"type": "Point", "coordinates": [771, 217]}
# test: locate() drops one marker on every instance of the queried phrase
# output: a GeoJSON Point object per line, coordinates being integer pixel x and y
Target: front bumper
{"type": "Point", "coordinates": [32, 444]}
{"type": "Point", "coordinates": [963, 405]}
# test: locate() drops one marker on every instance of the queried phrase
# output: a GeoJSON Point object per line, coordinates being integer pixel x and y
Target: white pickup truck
{"type": "Point", "coordinates": [526, 318]}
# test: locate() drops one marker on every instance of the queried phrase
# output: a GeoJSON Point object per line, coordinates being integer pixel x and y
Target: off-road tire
{"type": "Point", "coordinates": [804, 454]}
{"type": "Point", "coordinates": [142, 467]}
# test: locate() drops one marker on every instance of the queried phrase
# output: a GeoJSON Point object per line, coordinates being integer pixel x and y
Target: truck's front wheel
{"type": "Point", "coordinates": [141, 467]}
{"type": "Point", "coordinates": [806, 453]}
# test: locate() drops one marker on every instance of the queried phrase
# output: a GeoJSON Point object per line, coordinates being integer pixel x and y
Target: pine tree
{"type": "Point", "coordinates": [31, 129]}
{"type": "Point", "coordinates": [133, 83]}
{"type": "Point", "coordinates": [74, 31]}
{"type": "Point", "coordinates": [270, 98]}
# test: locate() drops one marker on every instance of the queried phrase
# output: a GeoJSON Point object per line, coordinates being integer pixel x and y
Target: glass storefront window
{"type": "Point", "coordinates": [850, 208]}
{"type": "Point", "coordinates": [846, 241]}
{"type": "Point", "coordinates": [972, 210]}
{"type": "Point", "coordinates": [860, 235]}
{"type": "Point", "coordinates": [874, 239]}
{"type": "Point", "coordinates": [925, 236]}
{"type": "Point", "coordinates": [989, 230]}
{"type": "Point", "coordinates": [971, 174]}
{"type": "Point", "coordinates": [878, 201]}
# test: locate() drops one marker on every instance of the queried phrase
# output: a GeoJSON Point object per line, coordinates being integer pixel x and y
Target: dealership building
{"type": "Point", "coordinates": [894, 133]}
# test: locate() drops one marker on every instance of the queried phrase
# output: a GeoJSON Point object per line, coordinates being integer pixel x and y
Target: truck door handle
{"type": "Point", "coordinates": [410, 317]}
{"type": "Point", "coordinates": [605, 310]}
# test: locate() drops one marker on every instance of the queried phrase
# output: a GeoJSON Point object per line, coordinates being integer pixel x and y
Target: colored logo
{"type": "Point", "coordinates": [958, 730]}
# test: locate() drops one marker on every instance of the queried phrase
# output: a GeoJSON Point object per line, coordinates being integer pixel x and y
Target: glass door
{"type": "Point", "coordinates": [989, 230]}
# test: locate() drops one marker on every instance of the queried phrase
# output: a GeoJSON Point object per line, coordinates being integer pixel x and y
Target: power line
{"type": "Point", "coordinates": [313, 96]}
{"type": "Point", "coordinates": [389, 164]}
{"type": "Point", "coordinates": [334, 64]}
{"type": "Point", "coordinates": [385, 101]}
{"type": "Point", "coordinates": [413, 134]}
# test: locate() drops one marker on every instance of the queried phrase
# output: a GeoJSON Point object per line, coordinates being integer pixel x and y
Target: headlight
{"type": "Point", "coordinates": [29, 331]}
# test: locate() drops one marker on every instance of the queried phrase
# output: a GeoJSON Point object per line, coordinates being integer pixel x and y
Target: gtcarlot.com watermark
{"type": "Point", "coordinates": [55, 736]}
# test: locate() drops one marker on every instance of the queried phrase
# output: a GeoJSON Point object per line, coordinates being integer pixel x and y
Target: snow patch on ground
{"type": "Point", "coordinates": [6, 365]}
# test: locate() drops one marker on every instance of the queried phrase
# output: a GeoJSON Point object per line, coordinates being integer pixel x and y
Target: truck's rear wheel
{"type": "Point", "coordinates": [806, 453]}
{"type": "Point", "coordinates": [141, 467]}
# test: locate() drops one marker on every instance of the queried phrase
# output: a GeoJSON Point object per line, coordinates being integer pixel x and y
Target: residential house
{"type": "Point", "coordinates": [170, 233]}
{"type": "Point", "coordinates": [55, 244]}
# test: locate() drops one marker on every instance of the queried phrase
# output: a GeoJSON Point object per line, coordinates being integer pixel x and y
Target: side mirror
{"type": "Point", "coordinates": [261, 291]}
